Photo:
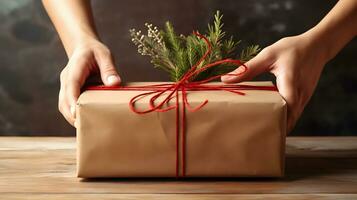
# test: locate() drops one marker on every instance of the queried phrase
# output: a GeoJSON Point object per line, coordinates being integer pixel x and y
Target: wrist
{"type": "Point", "coordinates": [319, 44]}
{"type": "Point", "coordinates": [84, 37]}
{"type": "Point", "coordinates": [76, 37]}
{"type": "Point", "coordinates": [83, 41]}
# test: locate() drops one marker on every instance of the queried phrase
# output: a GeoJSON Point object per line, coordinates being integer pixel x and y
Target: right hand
{"type": "Point", "coordinates": [297, 63]}
{"type": "Point", "coordinates": [87, 58]}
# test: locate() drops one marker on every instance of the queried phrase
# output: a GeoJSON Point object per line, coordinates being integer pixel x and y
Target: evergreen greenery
{"type": "Point", "coordinates": [176, 54]}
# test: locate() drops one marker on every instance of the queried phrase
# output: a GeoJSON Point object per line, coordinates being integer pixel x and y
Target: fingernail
{"type": "Point", "coordinates": [234, 74]}
{"type": "Point", "coordinates": [228, 77]}
{"type": "Point", "coordinates": [73, 110]}
{"type": "Point", "coordinates": [112, 79]}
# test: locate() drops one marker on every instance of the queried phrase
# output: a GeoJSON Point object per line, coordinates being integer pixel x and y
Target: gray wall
{"type": "Point", "coordinates": [31, 56]}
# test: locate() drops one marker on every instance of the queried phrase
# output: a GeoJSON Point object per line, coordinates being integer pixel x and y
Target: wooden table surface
{"type": "Point", "coordinates": [44, 168]}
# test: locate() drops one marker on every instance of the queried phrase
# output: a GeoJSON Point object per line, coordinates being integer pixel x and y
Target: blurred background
{"type": "Point", "coordinates": [31, 56]}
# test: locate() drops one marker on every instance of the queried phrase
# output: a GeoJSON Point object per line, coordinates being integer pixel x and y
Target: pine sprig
{"type": "Point", "coordinates": [176, 54]}
{"type": "Point", "coordinates": [215, 33]}
{"type": "Point", "coordinates": [249, 53]}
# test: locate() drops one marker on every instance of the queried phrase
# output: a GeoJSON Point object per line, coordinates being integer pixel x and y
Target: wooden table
{"type": "Point", "coordinates": [44, 168]}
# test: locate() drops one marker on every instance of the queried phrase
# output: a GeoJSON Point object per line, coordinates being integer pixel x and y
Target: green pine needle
{"type": "Point", "coordinates": [176, 54]}
{"type": "Point", "coordinates": [249, 53]}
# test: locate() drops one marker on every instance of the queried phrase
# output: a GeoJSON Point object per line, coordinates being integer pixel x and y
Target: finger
{"type": "Point", "coordinates": [77, 73]}
{"type": "Point", "coordinates": [62, 102]}
{"type": "Point", "coordinates": [70, 97]}
{"type": "Point", "coordinates": [68, 116]}
{"type": "Point", "coordinates": [287, 90]}
{"type": "Point", "coordinates": [72, 94]}
{"type": "Point", "coordinates": [72, 91]}
{"type": "Point", "coordinates": [63, 108]}
{"type": "Point", "coordinates": [107, 69]}
{"type": "Point", "coordinates": [257, 65]}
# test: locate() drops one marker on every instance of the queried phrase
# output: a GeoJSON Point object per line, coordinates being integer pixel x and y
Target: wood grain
{"type": "Point", "coordinates": [182, 196]}
{"type": "Point", "coordinates": [44, 168]}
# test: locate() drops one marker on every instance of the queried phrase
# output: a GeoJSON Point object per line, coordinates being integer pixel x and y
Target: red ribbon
{"type": "Point", "coordinates": [172, 90]}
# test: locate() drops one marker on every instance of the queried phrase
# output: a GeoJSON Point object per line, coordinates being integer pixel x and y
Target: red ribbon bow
{"type": "Point", "coordinates": [184, 85]}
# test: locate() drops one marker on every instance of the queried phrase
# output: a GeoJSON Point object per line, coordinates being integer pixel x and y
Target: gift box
{"type": "Point", "coordinates": [229, 134]}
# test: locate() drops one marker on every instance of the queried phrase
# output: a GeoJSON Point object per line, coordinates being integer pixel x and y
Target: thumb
{"type": "Point", "coordinates": [107, 69]}
{"type": "Point", "coordinates": [256, 66]}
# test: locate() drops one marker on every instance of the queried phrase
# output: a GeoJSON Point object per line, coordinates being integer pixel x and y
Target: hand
{"type": "Point", "coordinates": [89, 57]}
{"type": "Point", "coordinates": [296, 62]}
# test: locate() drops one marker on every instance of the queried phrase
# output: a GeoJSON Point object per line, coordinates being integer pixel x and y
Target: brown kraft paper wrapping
{"type": "Point", "coordinates": [231, 136]}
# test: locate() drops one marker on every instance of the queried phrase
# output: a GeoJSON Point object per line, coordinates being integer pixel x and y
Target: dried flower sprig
{"type": "Point", "coordinates": [176, 54]}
